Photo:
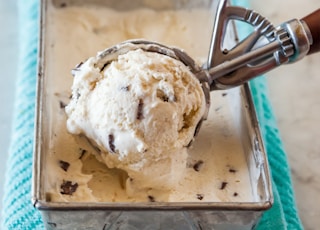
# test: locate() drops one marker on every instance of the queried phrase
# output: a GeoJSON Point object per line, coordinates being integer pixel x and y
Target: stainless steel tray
{"type": "Point", "coordinates": [144, 215]}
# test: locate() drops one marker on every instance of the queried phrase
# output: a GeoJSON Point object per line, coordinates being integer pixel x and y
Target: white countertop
{"type": "Point", "coordinates": [294, 92]}
{"type": "Point", "coordinates": [8, 61]}
{"type": "Point", "coordinates": [295, 95]}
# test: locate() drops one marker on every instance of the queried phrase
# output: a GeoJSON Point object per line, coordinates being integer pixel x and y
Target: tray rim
{"type": "Point", "coordinates": [132, 206]}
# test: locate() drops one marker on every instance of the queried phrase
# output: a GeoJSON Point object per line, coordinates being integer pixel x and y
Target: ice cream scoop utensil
{"type": "Point", "coordinates": [264, 49]}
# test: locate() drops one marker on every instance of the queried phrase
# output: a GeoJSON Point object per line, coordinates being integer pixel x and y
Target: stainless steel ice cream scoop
{"type": "Point", "coordinates": [264, 49]}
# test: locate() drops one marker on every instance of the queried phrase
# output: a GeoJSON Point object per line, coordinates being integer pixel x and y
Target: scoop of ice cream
{"type": "Point", "coordinates": [140, 111]}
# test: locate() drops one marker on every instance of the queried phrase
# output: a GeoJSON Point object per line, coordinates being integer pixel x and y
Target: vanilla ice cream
{"type": "Point", "coordinates": [140, 111]}
{"type": "Point", "coordinates": [151, 103]}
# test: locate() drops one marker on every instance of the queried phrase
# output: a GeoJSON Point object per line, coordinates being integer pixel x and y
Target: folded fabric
{"type": "Point", "coordinates": [283, 214]}
{"type": "Point", "coordinates": [18, 211]}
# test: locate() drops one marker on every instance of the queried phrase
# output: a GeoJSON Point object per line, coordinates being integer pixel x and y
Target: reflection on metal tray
{"type": "Point", "coordinates": [54, 92]}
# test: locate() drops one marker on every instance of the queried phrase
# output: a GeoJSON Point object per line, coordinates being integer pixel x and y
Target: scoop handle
{"type": "Point", "coordinates": [313, 22]}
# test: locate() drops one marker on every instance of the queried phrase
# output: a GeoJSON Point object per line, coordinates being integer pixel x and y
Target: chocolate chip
{"type": "Point", "coordinates": [165, 98]}
{"type": "Point", "coordinates": [82, 153]}
{"type": "Point", "coordinates": [218, 108]}
{"type": "Point", "coordinates": [162, 96]}
{"type": "Point", "coordinates": [125, 88]}
{"type": "Point", "coordinates": [68, 188]}
{"type": "Point", "coordinates": [62, 104]}
{"type": "Point", "coordinates": [79, 65]}
{"type": "Point", "coordinates": [63, 5]}
{"type": "Point", "coordinates": [104, 66]}
{"type": "Point", "coordinates": [200, 226]}
{"type": "Point", "coordinates": [151, 198]}
{"type": "Point", "coordinates": [200, 196]}
{"type": "Point", "coordinates": [78, 95]}
{"type": "Point", "coordinates": [223, 185]}
{"type": "Point", "coordinates": [73, 71]}
{"type": "Point", "coordinates": [235, 194]}
{"type": "Point", "coordinates": [112, 147]}
{"type": "Point", "coordinates": [197, 166]}
{"type": "Point", "coordinates": [76, 69]}
{"type": "Point", "coordinates": [64, 165]}
{"type": "Point", "coordinates": [140, 110]}
{"type": "Point", "coordinates": [231, 170]}
{"type": "Point", "coordinates": [52, 225]}
{"type": "Point", "coordinates": [48, 197]}
{"type": "Point", "coordinates": [190, 143]}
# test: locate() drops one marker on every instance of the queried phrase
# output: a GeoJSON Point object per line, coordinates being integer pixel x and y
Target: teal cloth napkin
{"type": "Point", "coordinates": [18, 211]}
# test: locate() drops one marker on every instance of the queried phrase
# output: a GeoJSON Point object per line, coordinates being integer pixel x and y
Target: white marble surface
{"type": "Point", "coordinates": [8, 61]}
{"type": "Point", "coordinates": [294, 92]}
{"type": "Point", "coordinates": [295, 95]}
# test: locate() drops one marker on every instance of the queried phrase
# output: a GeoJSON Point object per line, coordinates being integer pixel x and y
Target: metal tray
{"type": "Point", "coordinates": [143, 215]}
